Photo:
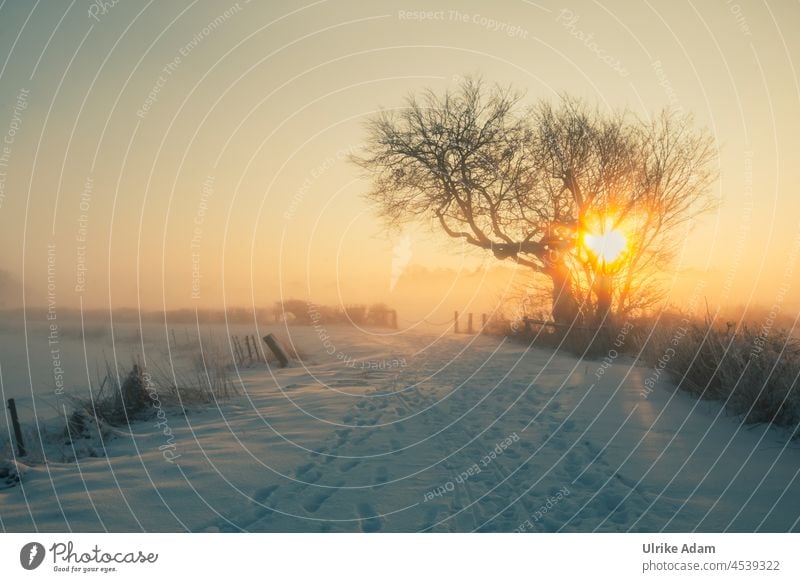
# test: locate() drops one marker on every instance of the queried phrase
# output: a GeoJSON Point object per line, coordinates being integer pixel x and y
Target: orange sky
{"type": "Point", "coordinates": [193, 153]}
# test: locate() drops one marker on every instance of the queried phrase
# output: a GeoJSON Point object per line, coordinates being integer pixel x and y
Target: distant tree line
{"type": "Point", "coordinates": [295, 311]}
{"type": "Point", "coordinates": [301, 312]}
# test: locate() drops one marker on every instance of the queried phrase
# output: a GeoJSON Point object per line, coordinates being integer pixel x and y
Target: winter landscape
{"type": "Point", "coordinates": [519, 268]}
{"type": "Point", "coordinates": [420, 430]}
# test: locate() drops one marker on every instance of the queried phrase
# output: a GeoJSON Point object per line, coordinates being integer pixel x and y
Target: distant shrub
{"type": "Point", "coordinates": [299, 312]}
{"type": "Point", "coordinates": [379, 314]}
{"type": "Point", "coordinates": [118, 399]}
{"type": "Point", "coordinates": [294, 310]}
{"type": "Point", "coordinates": [355, 313]}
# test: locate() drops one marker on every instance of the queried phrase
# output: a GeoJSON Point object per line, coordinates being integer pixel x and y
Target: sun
{"type": "Point", "coordinates": [608, 244]}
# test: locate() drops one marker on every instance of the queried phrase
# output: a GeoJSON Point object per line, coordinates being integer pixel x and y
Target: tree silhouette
{"type": "Point", "coordinates": [528, 184]}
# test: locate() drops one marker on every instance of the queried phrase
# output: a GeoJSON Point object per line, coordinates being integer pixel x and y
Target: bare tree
{"type": "Point", "coordinates": [527, 184]}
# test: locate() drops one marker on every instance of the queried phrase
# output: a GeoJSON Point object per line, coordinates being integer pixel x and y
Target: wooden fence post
{"type": "Point", "coordinates": [257, 350]}
{"type": "Point", "coordinates": [241, 350]}
{"type": "Point", "coordinates": [455, 322]}
{"type": "Point", "coordinates": [237, 350]}
{"type": "Point", "coordinates": [469, 323]}
{"type": "Point", "coordinates": [12, 407]}
{"type": "Point", "coordinates": [483, 321]}
{"type": "Point", "coordinates": [274, 345]}
{"type": "Point", "coordinates": [249, 351]}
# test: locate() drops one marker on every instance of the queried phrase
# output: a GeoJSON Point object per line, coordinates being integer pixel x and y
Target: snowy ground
{"type": "Point", "coordinates": [426, 431]}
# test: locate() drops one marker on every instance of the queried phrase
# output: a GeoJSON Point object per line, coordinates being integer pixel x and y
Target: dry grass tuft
{"type": "Point", "coordinates": [123, 398]}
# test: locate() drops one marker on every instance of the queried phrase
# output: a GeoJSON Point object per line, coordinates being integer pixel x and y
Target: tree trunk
{"type": "Point", "coordinates": [565, 308]}
{"type": "Point", "coordinates": [603, 291]}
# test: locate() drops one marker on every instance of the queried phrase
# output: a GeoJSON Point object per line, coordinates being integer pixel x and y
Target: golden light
{"type": "Point", "coordinates": [607, 244]}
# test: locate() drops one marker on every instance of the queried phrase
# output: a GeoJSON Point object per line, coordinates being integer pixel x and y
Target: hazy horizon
{"type": "Point", "coordinates": [195, 155]}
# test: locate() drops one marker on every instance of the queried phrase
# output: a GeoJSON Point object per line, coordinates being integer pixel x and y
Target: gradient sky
{"type": "Point", "coordinates": [243, 148]}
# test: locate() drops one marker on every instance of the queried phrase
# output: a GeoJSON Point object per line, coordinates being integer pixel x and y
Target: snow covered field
{"type": "Point", "coordinates": [418, 430]}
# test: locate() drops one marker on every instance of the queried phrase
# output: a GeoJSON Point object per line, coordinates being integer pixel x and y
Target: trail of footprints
{"type": "Point", "coordinates": [340, 484]}
{"type": "Point", "coordinates": [307, 502]}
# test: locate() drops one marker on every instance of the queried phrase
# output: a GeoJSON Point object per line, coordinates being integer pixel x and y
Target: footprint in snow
{"type": "Point", "coordinates": [316, 501]}
{"type": "Point", "coordinates": [360, 439]}
{"type": "Point", "coordinates": [262, 495]}
{"type": "Point", "coordinates": [370, 522]}
{"type": "Point", "coordinates": [591, 478]}
{"type": "Point", "coordinates": [568, 426]}
{"type": "Point", "coordinates": [381, 475]}
{"type": "Point", "coordinates": [431, 513]}
{"type": "Point", "coordinates": [308, 472]}
{"type": "Point", "coordinates": [350, 465]}
{"type": "Point", "coordinates": [304, 468]}
{"type": "Point", "coordinates": [611, 499]}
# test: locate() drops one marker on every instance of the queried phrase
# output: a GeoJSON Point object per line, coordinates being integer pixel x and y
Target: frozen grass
{"type": "Point", "coordinates": [61, 439]}
{"type": "Point", "coordinates": [207, 380]}
{"type": "Point", "coordinates": [123, 398]}
{"type": "Point", "coordinates": [118, 399]}
{"type": "Point", "coordinates": [751, 369]}
{"type": "Point", "coordinates": [754, 373]}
